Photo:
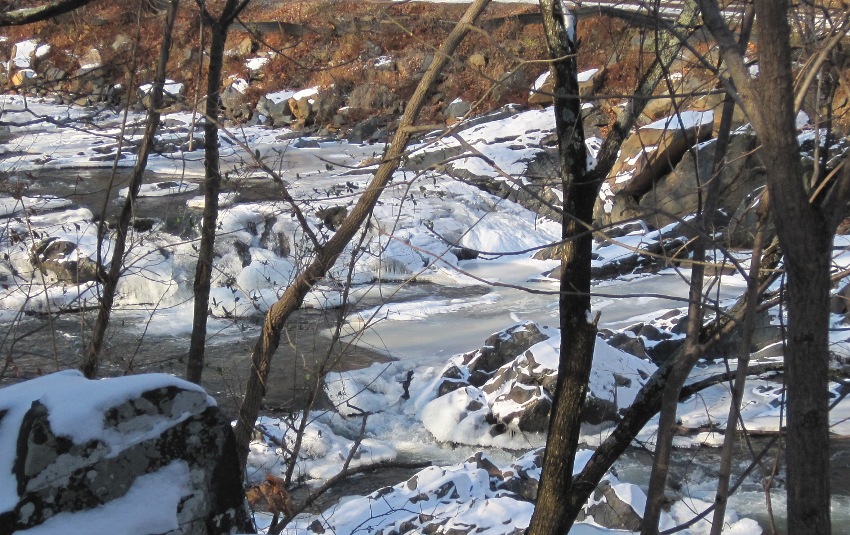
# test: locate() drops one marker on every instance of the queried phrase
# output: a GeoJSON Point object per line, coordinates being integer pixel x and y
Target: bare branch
{"type": "Point", "coordinates": [19, 17]}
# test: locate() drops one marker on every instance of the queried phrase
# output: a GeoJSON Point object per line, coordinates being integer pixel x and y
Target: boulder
{"type": "Point", "coordinates": [233, 96]}
{"type": "Point", "coordinates": [489, 407]}
{"type": "Point", "coordinates": [589, 82]}
{"type": "Point", "coordinates": [275, 106]}
{"type": "Point", "coordinates": [744, 221]}
{"type": "Point", "coordinates": [456, 109]}
{"type": "Point", "coordinates": [302, 111]}
{"type": "Point", "coordinates": [679, 193]}
{"type": "Point", "coordinates": [373, 97]}
{"type": "Point", "coordinates": [477, 367]}
{"type": "Point", "coordinates": [246, 47]}
{"type": "Point", "coordinates": [606, 507]}
{"type": "Point", "coordinates": [332, 216]}
{"type": "Point", "coordinates": [151, 450]}
{"type": "Point", "coordinates": [648, 154]}
{"type": "Point", "coordinates": [363, 131]}
{"type": "Point", "coordinates": [61, 260]}
{"type": "Point", "coordinates": [24, 78]}
{"type": "Point", "coordinates": [89, 61]}
{"type": "Point", "coordinates": [477, 61]}
{"type": "Point", "coordinates": [122, 43]}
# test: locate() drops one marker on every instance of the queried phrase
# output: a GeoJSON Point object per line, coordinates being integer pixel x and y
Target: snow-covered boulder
{"type": "Point", "coordinates": [138, 454]}
{"type": "Point", "coordinates": [470, 403]}
{"type": "Point", "coordinates": [61, 261]}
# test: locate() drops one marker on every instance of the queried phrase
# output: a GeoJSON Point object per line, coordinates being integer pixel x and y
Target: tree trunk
{"type": "Point", "coordinates": [807, 243]}
{"type": "Point", "coordinates": [91, 356]}
{"type": "Point", "coordinates": [212, 184]}
{"type": "Point", "coordinates": [560, 498]}
{"type": "Point", "coordinates": [292, 298]}
{"type": "Point", "coordinates": [578, 332]}
{"type": "Point", "coordinates": [805, 232]}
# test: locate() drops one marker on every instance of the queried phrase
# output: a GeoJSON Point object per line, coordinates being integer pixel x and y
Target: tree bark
{"type": "Point", "coordinates": [212, 185]}
{"type": "Point", "coordinates": [560, 497]}
{"type": "Point", "coordinates": [805, 232]}
{"type": "Point", "coordinates": [91, 356]}
{"type": "Point", "coordinates": [327, 255]}
{"type": "Point", "coordinates": [578, 331]}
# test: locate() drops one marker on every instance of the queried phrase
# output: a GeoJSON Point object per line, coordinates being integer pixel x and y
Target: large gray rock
{"type": "Point", "coordinates": [152, 444]}
{"type": "Point", "coordinates": [487, 406]}
{"type": "Point", "coordinates": [679, 193]}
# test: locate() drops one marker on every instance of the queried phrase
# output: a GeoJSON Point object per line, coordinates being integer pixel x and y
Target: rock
{"type": "Point", "coordinates": [332, 217]}
{"type": "Point", "coordinates": [154, 441]}
{"type": "Point", "coordinates": [478, 61]}
{"type": "Point", "coordinates": [89, 61]}
{"type": "Point", "coordinates": [517, 397]}
{"type": "Point", "coordinates": [477, 367]}
{"type": "Point", "coordinates": [275, 106]}
{"type": "Point", "coordinates": [456, 109]}
{"type": "Point", "coordinates": [647, 155]}
{"type": "Point", "coordinates": [589, 82]}
{"type": "Point", "coordinates": [362, 132]}
{"type": "Point", "coordinates": [122, 43]}
{"type": "Point", "coordinates": [302, 111]}
{"type": "Point", "coordinates": [246, 47]}
{"type": "Point", "coordinates": [233, 96]}
{"type": "Point", "coordinates": [24, 78]}
{"type": "Point", "coordinates": [61, 260]}
{"type": "Point", "coordinates": [373, 97]}
{"type": "Point", "coordinates": [678, 194]}
{"type": "Point", "coordinates": [607, 509]}
{"type": "Point", "coordinates": [838, 302]}
{"type": "Point", "coordinates": [743, 223]}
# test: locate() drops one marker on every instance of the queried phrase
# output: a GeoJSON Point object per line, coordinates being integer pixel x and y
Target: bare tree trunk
{"type": "Point", "coordinates": [730, 437]}
{"type": "Point", "coordinates": [557, 506]}
{"type": "Point", "coordinates": [578, 331]}
{"type": "Point", "coordinates": [805, 227]}
{"type": "Point", "coordinates": [91, 356]}
{"type": "Point", "coordinates": [692, 348]}
{"type": "Point", "coordinates": [212, 185]}
{"type": "Point", "coordinates": [292, 298]}
{"type": "Point", "coordinates": [806, 239]}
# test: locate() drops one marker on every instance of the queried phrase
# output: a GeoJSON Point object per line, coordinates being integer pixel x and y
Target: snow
{"type": "Point", "coordinates": [238, 84]}
{"type": "Point", "coordinates": [169, 88]}
{"type": "Point", "coordinates": [255, 64]}
{"type": "Point", "coordinates": [281, 96]}
{"type": "Point", "coordinates": [306, 93]}
{"type": "Point", "coordinates": [683, 120]}
{"type": "Point", "coordinates": [24, 53]}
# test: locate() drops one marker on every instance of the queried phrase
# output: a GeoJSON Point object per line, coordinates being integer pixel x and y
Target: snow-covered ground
{"type": "Point", "coordinates": [416, 234]}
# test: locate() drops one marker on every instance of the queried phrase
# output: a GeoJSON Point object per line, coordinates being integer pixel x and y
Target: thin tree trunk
{"type": "Point", "coordinates": [692, 347]}
{"type": "Point", "coordinates": [578, 331]}
{"type": "Point", "coordinates": [730, 437]}
{"type": "Point", "coordinates": [326, 256]}
{"type": "Point", "coordinates": [212, 185]}
{"type": "Point", "coordinates": [91, 356]}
